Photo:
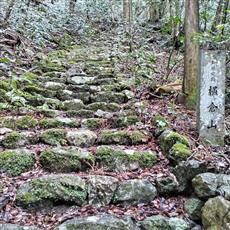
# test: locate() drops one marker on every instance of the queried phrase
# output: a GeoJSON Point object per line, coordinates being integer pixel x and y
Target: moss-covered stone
{"type": "Point", "coordinates": [125, 121]}
{"type": "Point", "coordinates": [135, 191]}
{"type": "Point", "coordinates": [119, 160]}
{"type": "Point", "coordinates": [100, 222]}
{"type": "Point", "coordinates": [193, 207]}
{"type": "Point", "coordinates": [169, 138]}
{"type": "Point", "coordinates": [34, 89]}
{"type": "Point", "coordinates": [122, 137]}
{"type": "Point", "coordinates": [22, 122]}
{"type": "Point", "coordinates": [93, 123]}
{"type": "Point", "coordinates": [46, 191]}
{"type": "Point", "coordinates": [15, 162]}
{"type": "Point", "coordinates": [3, 96]}
{"type": "Point", "coordinates": [49, 112]}
{"type": "Point", "coordinates": [179, 152]}
{"type": "Point", "coordinates": [66, 160]}
{"type": "Point", "coordinates": [109, 97]}
{"type": "Point", "coordinates": [74, 104]}
{"type": "Point", "coordinates": [111, 107]}
{"type": "Point", "coordinates": [26, 122]}
{"type": "Point", "coordinates": [53, 137]}
{"type": "Point", "coordinates": [117, 87]}
{"type": "Point", "coordinates": [51, 63]}
{"type": "Point", "coordinates": [14, 140]}
{"type": "Point", "coordinates": [167, 185]}
{"type": "Point", "coordinates": [159, 222]}
{"type": "Point", "coordinates": [101, 189]}
{"type": "Point", "coordinates": [59, 122]}
{"type": "Point", "coordinates": [84, 113]}
{"type": "Point", "coordinates": [81, 138]}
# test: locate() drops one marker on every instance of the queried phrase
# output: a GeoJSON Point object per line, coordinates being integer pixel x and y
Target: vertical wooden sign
{"type": "Point", "coordinates": [211, 99]}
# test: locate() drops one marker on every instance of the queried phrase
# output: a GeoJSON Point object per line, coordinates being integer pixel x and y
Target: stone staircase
{"type": "Point", "coordinates": [73, 116]}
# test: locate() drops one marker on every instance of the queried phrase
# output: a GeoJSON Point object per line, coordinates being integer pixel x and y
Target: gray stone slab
{"type": "Point", "coordinates": [211, 99]}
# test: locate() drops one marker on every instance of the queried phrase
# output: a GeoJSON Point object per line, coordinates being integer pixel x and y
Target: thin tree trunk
{"type": "Point", "coordinates": [219, 15]}
{"type": "Point", "coordinates": [225, 14]}
{"type": "Point", "coordinates": [127, 10]}
{"type": "Point", "coordinates": [72, 4]}
{"type": "Point", "coordinates": [8, 11]}
{"type": "Point", "coordinates": [191, 59]}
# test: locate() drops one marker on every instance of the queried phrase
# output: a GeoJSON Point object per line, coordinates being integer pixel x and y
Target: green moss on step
{"type": "Point", "coordinates": [125, 121]}
{"type": "Point", "coordinates": [179, 152]}
{"type": "Point", "coordinates": [169, 138]}
{"type": "Point", "coordinates": [29, 76]}
{"type": "Point", "coordinates": [15, 163]}
{"type": "Point", "coordinates": [93, 123]}
{"type": "Point", "coordinates": [119, 160]}
{"type": "Point", "coordinates": [111, 107]}
{"type": "Point", "coordinates": [26, 122]}
{"type": "Point", "coordinates": [13, 140]}
{"type": "Point", "coordinates": [33, 89]}
{"type": "Point", "coordinates": [64, 189]}
{"type": "Point", "coordinates": [58, 123]}
{"type": "Point", "coordinates": [54, 137]}
{"type": "Point", "coordinates": [5, 85]}
{"type": "Point", "coordinates": [3, 96]}
{"type": "Point", "coordinates": [84, 113]}
{"type": "Point", "coordinates": [122, 137]}
{"type": "Point", "coordinates": [66, 160]}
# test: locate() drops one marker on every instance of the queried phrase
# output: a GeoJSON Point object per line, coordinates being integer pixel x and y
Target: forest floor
{"type": "Point", "coordinates": [90, 92]}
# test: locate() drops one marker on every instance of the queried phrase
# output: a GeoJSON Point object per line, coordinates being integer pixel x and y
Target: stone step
{"type": "Point", "coordinates": [47, 191]}
{"type": "Point", "coordinates": [134, 137]}
{"type": "Point", "coordinates": [76, 137]}
{"type": "Point", "coordinates": [118, 159]}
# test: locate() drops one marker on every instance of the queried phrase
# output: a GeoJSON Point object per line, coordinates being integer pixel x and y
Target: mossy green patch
{"type": "Point", "coordinates": [33, 89]}
{"type": "Point", "coordinates": [120, 160]}
{"type": "Point", "coordinates": [53, 137]}
{"type": "Point", "coordinates": [67, 189]}
{"type": "Point", "coordinates": [168, 138]}
{"type": "Point", "coordinates": [24, 122]}
{"type": "Point", "coordinates": [125, 121]}
{"type": "Point", "coordinates": [84, 113]}
{"type": "Point", "coordinates": [14, 140]}
{"type": "Point", "coordinates": [122, 137]}
{"type": "Point", "coordinates": [93, 123]}
{"type": "Point", "coordinates": [3, 96]}
{"type": "Point", "coordinates": [111, 107]}
{"type": "Point", "coordinates": [58, 123]}
{"type": "Point", "coordinates": [66, 160]}
{"type": "Point", "coordinates": [15, 163]}
{"type": "Point", "coordinates": [179, 152]}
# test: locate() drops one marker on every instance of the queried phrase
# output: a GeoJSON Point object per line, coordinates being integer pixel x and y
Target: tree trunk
{"type": "Point", "coordinates": [191, 59]}
{"type": "Point", "coordinates": [219, 15]}
{"type": "Point", "coordinates": [8, 11]}
{"type": "Point", "coordinates": [225, 14]}
{"type": "Point", "coordinates": [154, 12]}
{"type": "Point", "coordinates": [72, 4]}
{"type": "Point", "coordinates": [127, 10]}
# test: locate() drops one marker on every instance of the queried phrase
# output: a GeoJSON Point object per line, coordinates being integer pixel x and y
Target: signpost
{"type": "Point", "coordinates": [211, 97]}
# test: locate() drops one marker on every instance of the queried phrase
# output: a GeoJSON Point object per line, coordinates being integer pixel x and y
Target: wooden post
{"type": "Point", "coordinates": [191, 59]}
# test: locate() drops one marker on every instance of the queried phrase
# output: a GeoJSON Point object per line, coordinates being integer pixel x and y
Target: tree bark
{"type": "Point", "coordinates": [219, 15]}
{"type": "Point", "coordinates": [191, 58]}
{"type": "Point", "coordinates": [72, 4]}
{"type": "Point", "coordinates": [127, 10]}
